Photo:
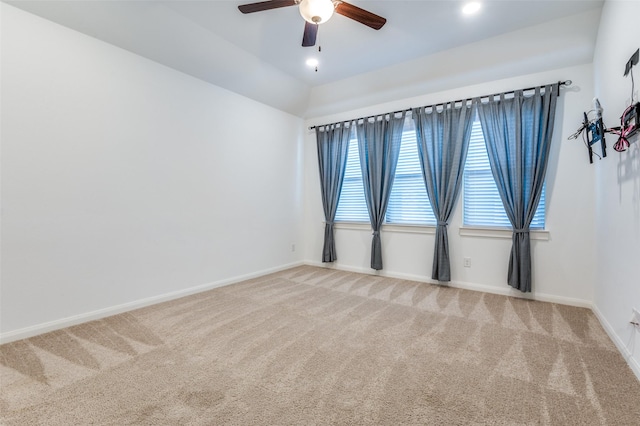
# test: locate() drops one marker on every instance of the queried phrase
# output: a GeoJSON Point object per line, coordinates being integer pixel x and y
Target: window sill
{"type": "Point", "coordinates": [406, 229]}
{"type": "Point", "coordinates": [470, 231]}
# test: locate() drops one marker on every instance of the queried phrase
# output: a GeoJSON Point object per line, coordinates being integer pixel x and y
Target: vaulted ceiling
{"type": "Point", "coordinates": [259, 55]}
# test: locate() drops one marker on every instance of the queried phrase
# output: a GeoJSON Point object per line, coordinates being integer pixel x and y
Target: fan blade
{"type": "Point", "coordinates": [363, 16]}
{"type": "Point", "coordinates": [265, 5]}
{"type": "Point", "coordinates": [310, 33]}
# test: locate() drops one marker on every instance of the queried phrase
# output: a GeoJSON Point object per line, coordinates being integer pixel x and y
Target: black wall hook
{"type": "Point", "coordinates": [632, 61]}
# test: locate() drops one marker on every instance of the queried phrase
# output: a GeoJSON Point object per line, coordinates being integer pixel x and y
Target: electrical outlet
{"type": "Point", "coordinates": [293, 247]}
{"type": "Point", "coordinates": [467, 262]}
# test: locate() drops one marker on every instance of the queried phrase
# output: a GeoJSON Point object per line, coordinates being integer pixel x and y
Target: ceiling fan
{"type": "Point", "coordinates": [317, 12]}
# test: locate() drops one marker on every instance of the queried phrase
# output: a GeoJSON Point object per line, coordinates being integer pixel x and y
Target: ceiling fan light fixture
{"type": "Point", "coordinates": [316, 11]}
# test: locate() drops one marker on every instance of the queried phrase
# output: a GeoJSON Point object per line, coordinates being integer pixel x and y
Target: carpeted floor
{"type": "Point", "coordinates": [317, 346]}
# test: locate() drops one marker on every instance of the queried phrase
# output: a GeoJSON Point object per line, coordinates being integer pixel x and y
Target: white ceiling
{"type": "Point", "coordinates": [413, 29]}
{"type": "Point", "coordinates": [213, 41]}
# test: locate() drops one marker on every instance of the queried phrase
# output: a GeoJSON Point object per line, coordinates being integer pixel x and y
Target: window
{"type": "Point", "coordinates": [482, 203]}
{"type": "Point", "coordinates": [408, 201]}
{"type": "Point", "coordinates": [352, 206]}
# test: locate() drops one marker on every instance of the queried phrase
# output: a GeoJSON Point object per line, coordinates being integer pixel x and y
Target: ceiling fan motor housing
{"type": "Point", "coordinates": [317, 12]}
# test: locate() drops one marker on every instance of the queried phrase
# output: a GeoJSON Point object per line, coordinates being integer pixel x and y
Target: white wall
{"type": "Point", "coordinates": [563, 266]}
{"type": "Point", "coordinates": [617, 185]}
{"type": "Point", "coordinates": [143, 26]}
{"type": "Point", "coordinates": [124, 181]}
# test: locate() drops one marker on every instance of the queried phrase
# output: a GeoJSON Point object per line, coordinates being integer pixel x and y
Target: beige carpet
{"type": "Point", "coordinates": [316, 346]}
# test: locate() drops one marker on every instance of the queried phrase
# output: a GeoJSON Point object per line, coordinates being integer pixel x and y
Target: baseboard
{"type": "Point", "coordinates": [626, 354]}
{"type": "Point", "coordinates": [507, 291]}
{"type": "Point", "coordinates": [35, 330]}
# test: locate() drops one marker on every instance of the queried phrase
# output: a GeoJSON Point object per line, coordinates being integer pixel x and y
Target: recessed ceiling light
{"type": "Point", "coordinates": [471, 8]}
{"type": "Point", "coordinates": [312, 62]}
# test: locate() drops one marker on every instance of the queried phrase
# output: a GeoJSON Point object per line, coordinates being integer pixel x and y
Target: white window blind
{"type": "Point", "coordinates": [482, 203]}
{"type": "Point", "coordinates": [408, 201]}
{"type": "Point", "coordinates": [352, 206]}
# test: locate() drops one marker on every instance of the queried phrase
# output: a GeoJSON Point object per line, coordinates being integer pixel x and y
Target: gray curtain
{"type": "Point", "coordinates": [517, 134]}
{"type": "Point", "coordinates": [333, 144]}
{"type": "Point", "coordinates": [443, 140]}
{"type": "Point", "coordinates": [379, 144]}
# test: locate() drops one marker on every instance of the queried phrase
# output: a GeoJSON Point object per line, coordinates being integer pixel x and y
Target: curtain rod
{"type": "Point", "coordinates": [560, 83]}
